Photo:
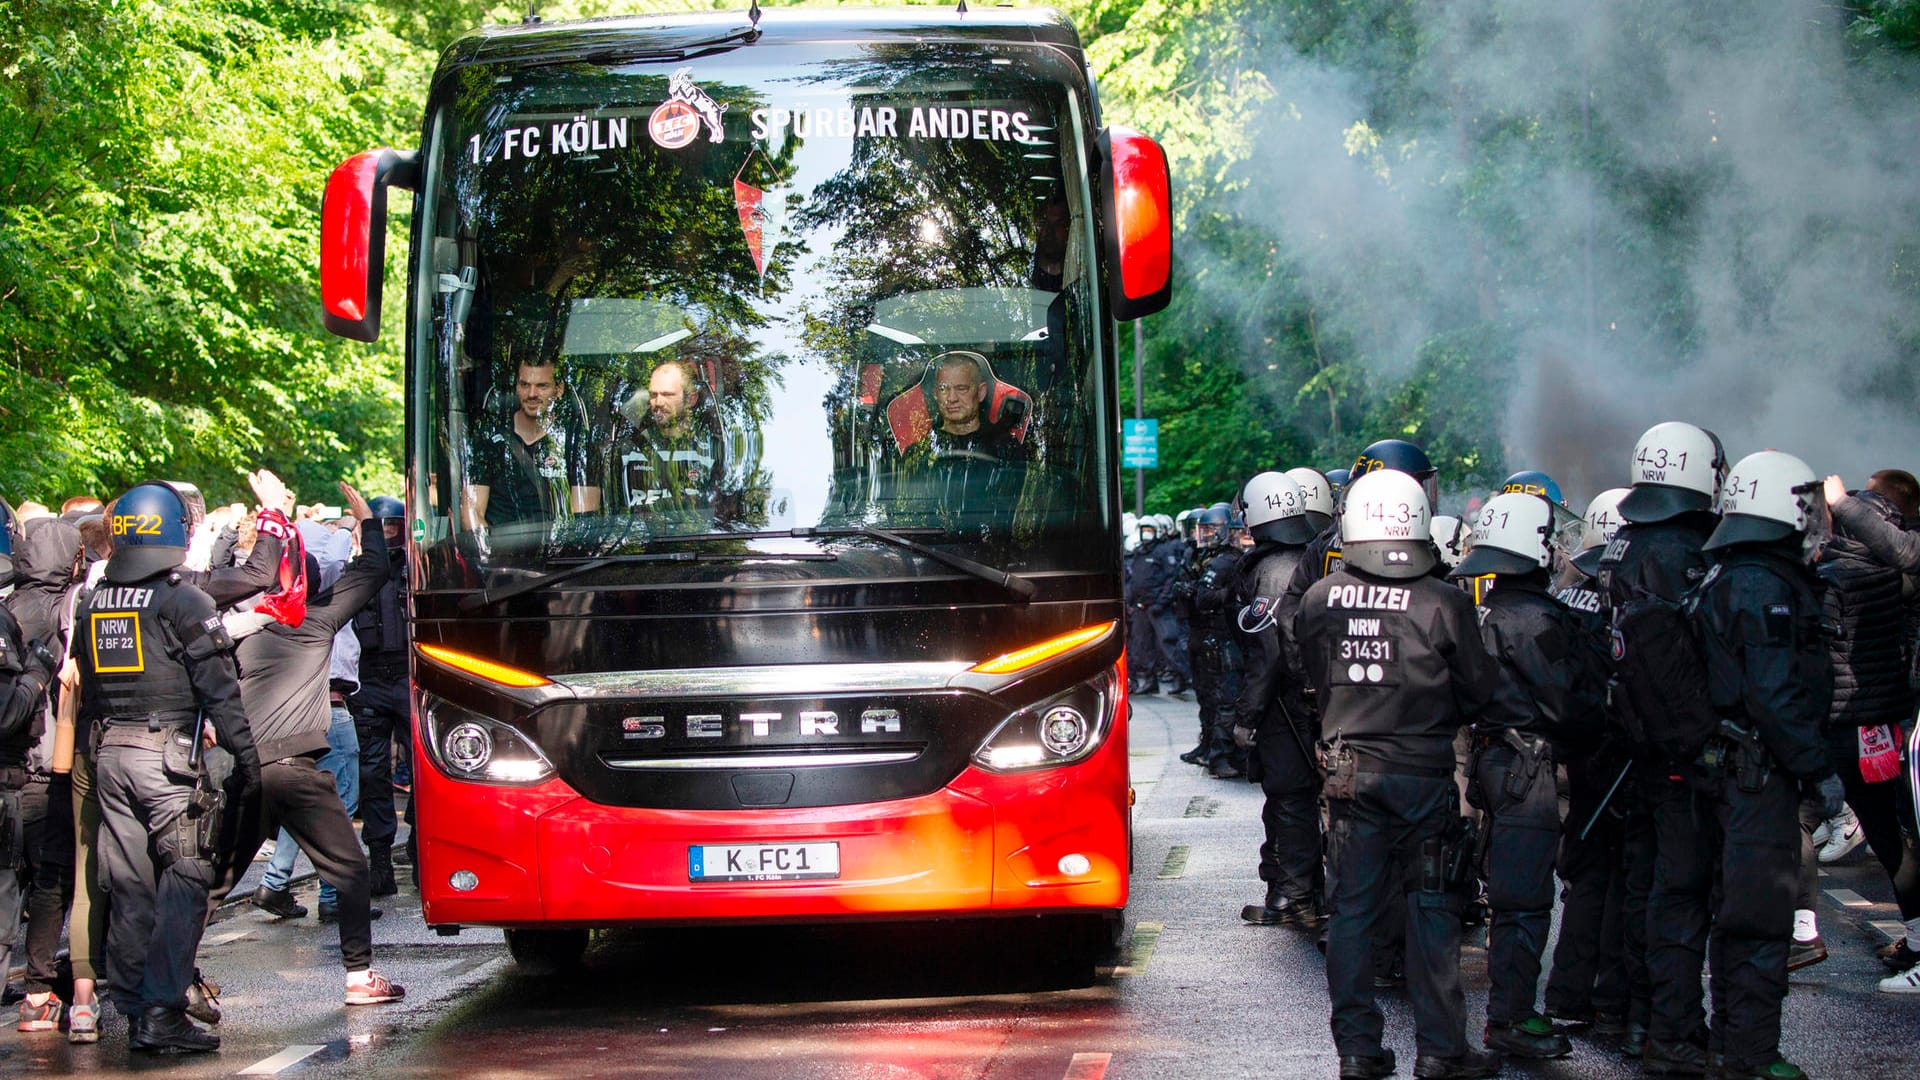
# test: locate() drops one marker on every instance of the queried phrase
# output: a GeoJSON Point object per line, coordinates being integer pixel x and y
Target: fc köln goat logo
{"type": "Point", "coordinates": [676, 123]}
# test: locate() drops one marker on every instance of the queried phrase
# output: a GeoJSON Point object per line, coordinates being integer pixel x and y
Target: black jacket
{"type": "Point", "coordinates": [283, 669]}
{"type": "Point", "coordinates": [1397, 665]}
{"type": "Point", "coordinates": [1549, 681]}
{"type": "Point", "coordinates": [1767, 663]}
{"type": "Point", "coordinates": [1274, 679]}
{"type": "Point", "coordinates": [1863, 605]}
{"type": "Point", "coordinates": [43, 601]}
{"type": "Point", "coordinates": [1210, 595]}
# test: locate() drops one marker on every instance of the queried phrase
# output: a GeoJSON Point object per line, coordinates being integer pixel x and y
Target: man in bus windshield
{"type": "Point", "coordinates": [532, 465]}
{"type": "Point", "coordinates": [959, 393]}
{"type": "Point", "coordinates": [670, 460]}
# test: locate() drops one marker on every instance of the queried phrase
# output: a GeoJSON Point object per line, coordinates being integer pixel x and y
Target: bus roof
{"type": "Point", "coordinates": [615, 38]}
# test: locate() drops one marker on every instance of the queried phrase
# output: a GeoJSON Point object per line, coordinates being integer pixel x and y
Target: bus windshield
{"type": "Point", "coordinates": [762, 290]}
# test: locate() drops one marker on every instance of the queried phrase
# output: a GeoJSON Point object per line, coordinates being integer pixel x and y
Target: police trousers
{"type": "Point", "coordinates": [1519, 875]}
{"type": "Point", "coordinates": [1589, 970]}
{"type": "Point", "coordinates": [380, 712]}
{"type": "Point", "coordinates": [1724, 889]}
{"type": "Point", "coordinates": [1291, 854]}
{"type": "Point", "coordinates": [1373, 845]}
{"type": "Point", "coordinates": [156, 879]}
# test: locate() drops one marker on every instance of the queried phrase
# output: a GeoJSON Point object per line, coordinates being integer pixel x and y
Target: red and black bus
{"type": "Point", "coordinates": [761, 452]}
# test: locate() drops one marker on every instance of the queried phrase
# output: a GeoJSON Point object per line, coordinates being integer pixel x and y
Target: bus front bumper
{"type": "Point", "coordinates": [985, 844]}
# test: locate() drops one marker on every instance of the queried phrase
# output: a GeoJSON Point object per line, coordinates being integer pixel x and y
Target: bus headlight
{"type": "Point", "coordinates": [1061, 730]}
{"type": "Point", "coordinates": [468, 746]}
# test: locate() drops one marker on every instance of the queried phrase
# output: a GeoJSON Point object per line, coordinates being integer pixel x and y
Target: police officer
{"type": "Point", "coordinates": [380, 707]}
{"type": "Point", "coordinates": [1272, 714]}
{"type": "Point", "coordinates": [1769, 677]}
{"type": "Point", "coordinates": [1143, 638]}
{"type": "Point", "coordinates": [1548, 691]}
{"type": "Point", "coordinates": [1588, 982]}
{"type": "Point", "coordinates": [156, 662]}
{"type": "Point", "coordinates": [1323, 554]}
{"type": "Point", "coordinates": [1317, 493]}
{"type": "Point", "coordinates": [1667, 516]}
{"type": "Point", "coordinates": [25, 670]}
{"type": "Point", "coordinates": [1214, 654]}
{"type": "Point", "coordinates": [1166, 605]}
{"type": "Point", "coordinates": [1396, 660]}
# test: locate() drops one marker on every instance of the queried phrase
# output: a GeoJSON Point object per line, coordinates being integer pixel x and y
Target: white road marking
{"type": "Point", "coordinates": [230, 935]}
{"type": "Point", "coordinates": [1087, 1067]}
{"type": "Point", "coordinates": [1848, 898]}
{"type": "Point", "coordinates": [292, 1055]}
{"type": "Point", "coordinates": [1894, 929]}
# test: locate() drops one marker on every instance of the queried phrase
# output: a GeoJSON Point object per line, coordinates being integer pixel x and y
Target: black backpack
{"type": "Point", "coordinates": [1658, 689]}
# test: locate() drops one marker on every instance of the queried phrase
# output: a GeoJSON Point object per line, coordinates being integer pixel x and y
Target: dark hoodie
{"type": "Point", "coordinates": [1863, 603]}
{"type": "Point", "coordinates": [43, 589]}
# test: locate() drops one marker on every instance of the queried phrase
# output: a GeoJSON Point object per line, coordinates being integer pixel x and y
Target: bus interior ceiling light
{"type": "Point", "coordinates": [1022, 659]}
{"type": "Point", "coordinates": [485, 669]}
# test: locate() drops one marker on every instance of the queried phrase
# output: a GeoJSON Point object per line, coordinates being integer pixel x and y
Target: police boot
{"type": "Point", "coordinates": [1197, 755]}
{"type": "Point", "coordinates": [1635, 1042]}
{"type": "Point", "coordinates": [1471, 1065]}
{"type": "Point", "coordinates": [1533, 1037]}
{"type": "Point", "coordinates": [1281, 910]}
{"type": "Point", "coordinates": [1662, 1058]}
{"type": "Point", "coordinates": [164, 1030]}
{"type": "Point", "coordinates": [380, 870]}
{"type": "Point", "coordinates": [1778, 1070]}
{"type": "Point", "coordinates": [1367, 1066]}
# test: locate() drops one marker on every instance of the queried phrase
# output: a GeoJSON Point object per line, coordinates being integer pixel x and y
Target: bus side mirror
{"type": "Point", "coordinates": [1139, 223]}
{"type": "Point", "coordinates": [353, 239]}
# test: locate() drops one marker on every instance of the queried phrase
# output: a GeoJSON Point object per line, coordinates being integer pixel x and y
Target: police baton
{"type": "Point", "coordinates": [1602, 808]}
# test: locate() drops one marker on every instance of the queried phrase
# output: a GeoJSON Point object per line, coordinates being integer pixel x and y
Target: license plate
{"type": "Point", "coordinates": [762, 862]}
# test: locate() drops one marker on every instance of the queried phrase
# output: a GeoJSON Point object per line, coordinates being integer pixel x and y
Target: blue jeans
{"type": "Point", "coordinates": [342, 759]}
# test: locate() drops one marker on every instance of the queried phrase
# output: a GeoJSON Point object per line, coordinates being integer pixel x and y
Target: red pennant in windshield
{"type": "Point", "coordinates": [751, 202]}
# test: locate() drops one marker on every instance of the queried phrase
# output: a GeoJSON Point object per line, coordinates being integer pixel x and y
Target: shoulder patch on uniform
{"type": "Point", "coordinates": [1779, 624]}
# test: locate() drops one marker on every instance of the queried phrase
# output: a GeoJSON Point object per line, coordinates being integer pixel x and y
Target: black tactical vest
{"type": "Point", "coordinates": [131, 653]}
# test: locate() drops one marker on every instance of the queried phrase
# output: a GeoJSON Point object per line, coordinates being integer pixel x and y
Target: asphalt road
{"type": "Point", "coordinates": [1193, 992]}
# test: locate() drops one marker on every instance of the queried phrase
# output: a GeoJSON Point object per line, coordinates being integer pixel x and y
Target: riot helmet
{"type": "Point", "coordinates": [151, 526]}
{"type": "Point", "coordinates": [1146, 531]}
{"type": "Point", "coordinates": [1182, 524]}
{"type": "Point", "coordinates": [1237, 536]}
{"type": "Point", "coordinates": [1317, 493]}
{"type": "Point", "coordinates": [1452, 537]}
{"type": "Point", "coordinates": [1165, 524]}
{"type": "Point", "coordinates": [1385, 525]}
{"type": "Point", "coordinates": [1677, 468]}
{"type": "Point", "coordinates": [1602, 521]}
{"type": "Point", "coordinates": [1512, 534]}
{"type": "Point", "coordinates": [387, 508]}
{"type": "Point", "coordinates": [1400, 456]}
{"type": "Point", "coordinates": [1534, 482]}
{"type": "Point", "coordinates": [1276, 512]}
{"type": "Point", "coordinates": [1337, 481]}
{"type": "Point", "coordinates": [1771, 496]}
{"type": "Point", "coordinates": [1210, 526]}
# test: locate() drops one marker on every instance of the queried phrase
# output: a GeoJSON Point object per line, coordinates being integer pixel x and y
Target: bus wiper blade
{"type": "Point", "coordinates": [1022, 589]}
{"type": "Point", "coordinates": [487, 597]}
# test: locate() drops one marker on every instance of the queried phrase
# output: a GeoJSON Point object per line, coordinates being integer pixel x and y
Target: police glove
{"type": "Point", "coordinates": [1829, 796]}
{"type": "Point", "coordinates": [1243, 737]}
{"type": "Point", "coordinates": [247, 767]}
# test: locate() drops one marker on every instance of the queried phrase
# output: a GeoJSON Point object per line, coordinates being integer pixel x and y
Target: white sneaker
{"type": "Point", "coordinates": [1846, 837]}
{"type": "Point", "coordinates": [1907, 982]}
{"type": "Point", "coordinates": [1823, 833]}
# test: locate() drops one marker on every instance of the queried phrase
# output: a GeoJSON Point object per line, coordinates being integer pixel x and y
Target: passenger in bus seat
{"type": "Point", "coordinates": [532, 464]}
{"type": "Point", "coordinates": [669, 457]}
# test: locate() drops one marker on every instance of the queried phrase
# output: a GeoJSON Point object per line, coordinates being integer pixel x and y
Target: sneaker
{"type": "Point", "coordinates": [203, 999]}
{"type": "Point", "coordinates": [1823, 832]}
{"type": "Point", "coordinates": [376, 990]}
{"type": "Point", "coordinates": [1897, 956]}
{"type": "Point", "coordinates": [44, 1016]}
{"type": "Point", "coordinates": [1847, 836]}
{"type": "Point", "coordinates": [278, 903]}
{"type": "Point", "coordinates": [1907, 982]}
{"type": "Point", "coordinates": [1775, 1070]}
{"type": "Point", "coordinates": [1534, 1037]}
{"type": "Point", "coordinates": [1806, 953]}
{"type": "Point", "coordinates": [83, 1023]}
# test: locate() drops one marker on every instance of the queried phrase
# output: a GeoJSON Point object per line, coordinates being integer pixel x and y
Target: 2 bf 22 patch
{"type": "Point", "coordinates": [116, 642]}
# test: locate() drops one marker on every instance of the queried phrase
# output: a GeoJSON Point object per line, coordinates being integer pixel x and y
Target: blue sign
{"type": "Point", "coordinates": [1139, 444]}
